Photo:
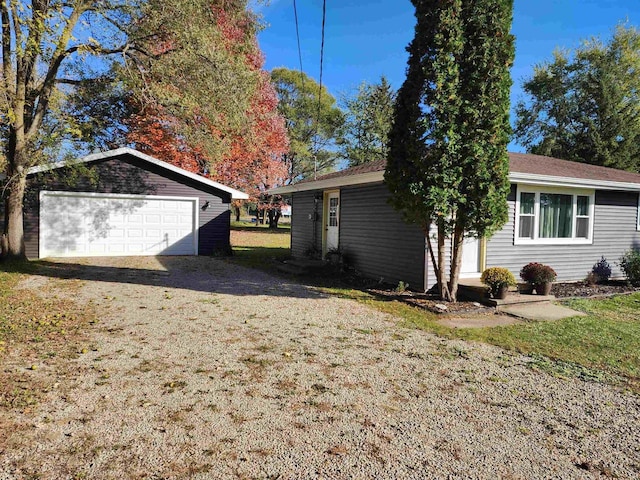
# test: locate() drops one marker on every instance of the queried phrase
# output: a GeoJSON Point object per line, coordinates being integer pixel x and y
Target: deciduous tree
{"type": "Point", "coordinates": [44, 44]}
{"type": "Point", "coordinates": [312, 129]}
{"type": "Point", "coordinates": [244, 153]}
{"type": "Point", "coordinates": [585, 105]}
{"type": "Point", "coordinates": [448, 163]}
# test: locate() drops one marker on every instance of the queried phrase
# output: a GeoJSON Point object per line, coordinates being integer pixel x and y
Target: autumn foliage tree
{"type": "Point", "coordinates": [239, 143]}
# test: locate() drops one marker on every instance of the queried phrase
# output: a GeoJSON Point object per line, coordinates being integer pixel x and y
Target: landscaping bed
{"type": "Point", "coordinates": [431, 302]}
{"type": "Point", "coordinates": [583, 289]}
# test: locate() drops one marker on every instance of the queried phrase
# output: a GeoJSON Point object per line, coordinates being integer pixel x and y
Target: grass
{"type": "Point", "coordinates": [258, 246]}
{"type": "Point", "coordinates": [36, 328]}
{"type": "Point", "coordinates": [604, 345]}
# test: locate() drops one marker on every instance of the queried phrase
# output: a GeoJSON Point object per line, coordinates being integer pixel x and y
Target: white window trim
{"type": "Point", "coordinates": [537, 190]}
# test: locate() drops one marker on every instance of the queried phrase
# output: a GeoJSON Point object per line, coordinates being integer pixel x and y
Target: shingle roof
{"type": "Point", "coordinates": [541, 165]}
{"type": "Point", "coordinates": [375, 166]}
{"type": "Point", "coordinates": [521, 163]}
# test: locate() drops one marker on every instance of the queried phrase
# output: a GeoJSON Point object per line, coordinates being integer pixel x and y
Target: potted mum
{"type": "Point", "coordinates": [540, 276]}
{"type": "Point", "coordinates": [498, 279]}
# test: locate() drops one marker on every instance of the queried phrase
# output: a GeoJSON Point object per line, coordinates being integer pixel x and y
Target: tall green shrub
{"type": "Point", "coordinates": [630, 264]}
{"type": "Point", "coordinates": [448, 164]}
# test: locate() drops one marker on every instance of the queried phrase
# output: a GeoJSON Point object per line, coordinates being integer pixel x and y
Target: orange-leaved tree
{"type": "Point", "coordinates": [246, 154]}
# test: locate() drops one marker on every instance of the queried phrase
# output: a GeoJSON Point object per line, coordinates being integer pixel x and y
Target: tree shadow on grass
{"type": "Point", "coordinates": [257, 229]}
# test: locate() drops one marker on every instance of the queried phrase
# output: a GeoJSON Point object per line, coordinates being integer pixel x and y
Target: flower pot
{"type": "Point", "coordinates": [543, 288]}
{"type": "Point", "coordinates": [499, 291]}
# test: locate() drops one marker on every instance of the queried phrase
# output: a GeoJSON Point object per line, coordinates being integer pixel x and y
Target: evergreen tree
{"type": "Point", "coordinates": [368, 118]}
{"type": "Point", "coordinates": [448, 164]}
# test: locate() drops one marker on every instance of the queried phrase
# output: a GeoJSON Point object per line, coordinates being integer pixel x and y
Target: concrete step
{"type": "Point", "coordinates": [539, 311]}
{"type": "Point", "coordinates": [306, 263]}
{"type": "Point", "coordinates": [478, 292]}
{"type": "Point", "coordinates": [291, 269]}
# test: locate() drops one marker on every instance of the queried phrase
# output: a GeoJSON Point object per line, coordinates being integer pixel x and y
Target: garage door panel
{"type": "Point", "coordinates": [76, 224]}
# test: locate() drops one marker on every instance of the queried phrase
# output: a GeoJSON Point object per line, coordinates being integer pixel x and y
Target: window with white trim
{"type": "Point", "coordinates": [553, 215]}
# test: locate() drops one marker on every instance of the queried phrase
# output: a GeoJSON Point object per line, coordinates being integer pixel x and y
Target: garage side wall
{"type": "Point", "coordinates": [375, 239]}
{"type": "Point", "coordinates": [129, 175]}
{"type": "Point", "coordinates": [306, 223]}
{"type": "Point", "coordinates": [614, 232]}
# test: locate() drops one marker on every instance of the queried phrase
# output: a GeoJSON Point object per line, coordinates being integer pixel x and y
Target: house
{"type": "Point", "coordinates": [564, 214]}
{"type": "Point", "coordinates": [123, 202]}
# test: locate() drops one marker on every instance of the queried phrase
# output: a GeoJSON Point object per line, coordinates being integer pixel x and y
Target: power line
{"type": "Point", "coordinates": [324, 17]}
{"type": "Point", "coordinates": [295, 14]}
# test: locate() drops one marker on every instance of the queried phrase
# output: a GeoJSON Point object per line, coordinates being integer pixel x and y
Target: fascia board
{"type": "Point", "coordinates": [363, 178]}
{"type": "Point", "coordinates": [550, 180]}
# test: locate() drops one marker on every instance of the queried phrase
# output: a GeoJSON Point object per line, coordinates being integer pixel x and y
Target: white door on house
{"type": "Point", "coordinates": [470, 258]}
{"type": "Point", "coordinates": [333, 221]}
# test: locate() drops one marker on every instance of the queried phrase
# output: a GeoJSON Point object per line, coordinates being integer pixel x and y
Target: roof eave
{"type": "Point", "coordinates": [557, 181]}
{"type": "Point", "coordinates": [360, 179]}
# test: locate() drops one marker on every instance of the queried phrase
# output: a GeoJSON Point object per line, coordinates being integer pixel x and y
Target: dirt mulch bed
{"type": "Point", "coordinates": [583, 289]}
{"type": "Point", "coordinates": [432, 302]}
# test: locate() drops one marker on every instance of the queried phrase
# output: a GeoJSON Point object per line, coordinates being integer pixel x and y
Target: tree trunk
{"type": "Point", "coordinates": [14, 207]}
{"type": "Point", "coordinates": [274, 218]}
{"type": "Point", "coordinates": [237, 213]}
{"type": "Point", "coordinates": [442, 278]}
{"type": "Point", "coordinates": [456, 260]}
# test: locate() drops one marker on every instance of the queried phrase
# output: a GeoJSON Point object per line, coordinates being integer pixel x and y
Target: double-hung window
{"type": "Point", "coordinates": [553, 215]}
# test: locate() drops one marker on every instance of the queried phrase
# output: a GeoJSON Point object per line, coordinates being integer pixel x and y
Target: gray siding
{"type": "Point", "coordinates": [306, 223]}
{"type": "Point", "coordinates": [131, 175]}
{"type": "Point", "coordinates": [614, 233]}
{"type": "Point", "coordinates": [376, 240]}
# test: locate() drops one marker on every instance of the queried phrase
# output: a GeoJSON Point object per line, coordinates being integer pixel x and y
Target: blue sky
{"type": "Point", "coordinates": [365, 39]}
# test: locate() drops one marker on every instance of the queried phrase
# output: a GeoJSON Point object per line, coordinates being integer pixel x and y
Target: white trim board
{"type": "Point", "coordinates": [514, 177]}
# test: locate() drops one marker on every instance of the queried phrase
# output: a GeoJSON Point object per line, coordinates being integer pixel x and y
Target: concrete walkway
{"type": "Point", "coordinates": [539, 311]}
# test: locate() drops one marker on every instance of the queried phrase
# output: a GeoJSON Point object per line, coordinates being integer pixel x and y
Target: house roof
{"type": "Point", "coordinates": [523, 168]}
{"type": "Point", "coordinates": [235, 194]}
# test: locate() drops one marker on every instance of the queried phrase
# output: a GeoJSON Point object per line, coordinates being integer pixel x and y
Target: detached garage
{"type": "Point", "coordinates": [124, 202]}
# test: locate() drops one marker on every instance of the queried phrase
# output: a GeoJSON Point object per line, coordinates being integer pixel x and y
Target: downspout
{"type": "Point", "coordinates": [425, 276]}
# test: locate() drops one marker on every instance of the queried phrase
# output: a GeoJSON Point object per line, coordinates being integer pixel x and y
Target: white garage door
{"type": "Point", "coordinates": [97, 224]}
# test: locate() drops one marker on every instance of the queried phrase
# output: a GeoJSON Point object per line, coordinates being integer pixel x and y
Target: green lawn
{"type": "Point", "coordinates": [258, 246]}
{"type": "Point", "coordinates": [604, 345]}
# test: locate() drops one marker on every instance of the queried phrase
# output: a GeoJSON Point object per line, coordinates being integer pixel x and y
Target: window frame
{"type": "Point", "coordinates": [575, 193]}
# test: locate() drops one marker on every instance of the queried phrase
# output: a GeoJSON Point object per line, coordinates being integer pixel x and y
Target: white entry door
{"type": "Point", "coordinates": [470, 258]}
{"type": "Point", "coordinates": [101, 224]}
{"type": "Point", "coordinates": [333, 221]}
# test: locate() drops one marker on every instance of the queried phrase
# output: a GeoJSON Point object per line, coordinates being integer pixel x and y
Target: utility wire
{"type": "Point", "coordinates": [295, 14]}
{"type": "Point", "coordinates": [324, 17]}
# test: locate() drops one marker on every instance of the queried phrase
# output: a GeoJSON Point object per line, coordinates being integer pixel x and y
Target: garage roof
{"type": "Point", "coordinates": [235, 194]}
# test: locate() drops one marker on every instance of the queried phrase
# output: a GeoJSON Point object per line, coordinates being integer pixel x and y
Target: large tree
{"type": "Point", "coordinates": [368, 117]}
{"type": "Point", "coordinates": [66, 64]}
{"type": "Point", "coordinates": [313, 123]}
{"type": "Point", "coordinates": [585, 105]}
{"type": "Point", "coordinates": [44, 46]}
{"type": "Point", "coordinates": [239, 148]}
{"type": "Point", "coordinates": [448, 163]}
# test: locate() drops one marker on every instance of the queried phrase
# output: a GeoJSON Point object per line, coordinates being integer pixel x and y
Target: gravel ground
{"type": "Point", "coordinates": [203, 369]}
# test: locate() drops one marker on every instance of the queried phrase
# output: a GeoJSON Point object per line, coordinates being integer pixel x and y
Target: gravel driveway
{"type": "Point", "coordinates": [202, 369]}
